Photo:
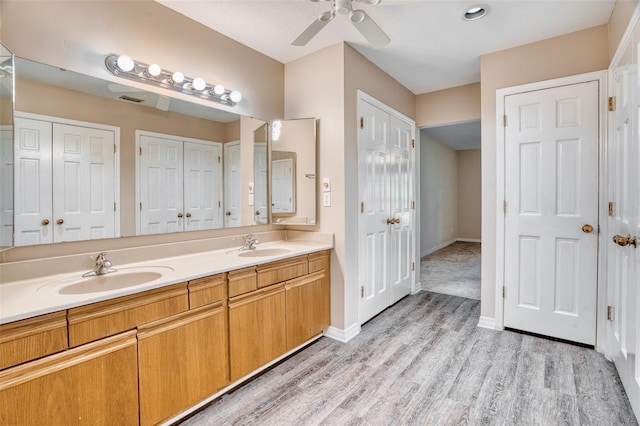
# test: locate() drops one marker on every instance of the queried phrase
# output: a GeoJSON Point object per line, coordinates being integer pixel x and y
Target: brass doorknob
{"type": "Point", "coordinates": [179, 215]}
{"type": "Point", "coordinates": [620, 240]}
{"type": "Point", "coordinates": [633, 241]}
{"type": "Point", "coordinates": [45, 222]}
{"type": "Point", "coordinates": [227, 213]}
{"type": "Point", "coordinates": [390, 221]}
{"type": "Point", "coordinates": [60, 221]}
{"type": "Point", "coordinates": [587, 229]}
{"type": "Point", "coordinates": [188, 214]}
{"type": "Point", "coordinates": [397, 221]}
{"type": "Point", "coordinates": [257, 212]}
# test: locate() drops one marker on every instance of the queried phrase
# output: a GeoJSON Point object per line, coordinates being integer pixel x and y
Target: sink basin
{"type": "Point", "coordinates": [263, 252]}
{"type": "Point", "coordinates": [113, 281]}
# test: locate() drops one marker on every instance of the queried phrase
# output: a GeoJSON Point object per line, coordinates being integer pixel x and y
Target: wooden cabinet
{"type": "Point", "coordinates": [32, 338]}
{"type": "Point", "coordinates": [256, 329]}
{"type": "Point", "coordinates": [308, 307]}
{"type": "Point", "coordinates": [242, 281]}
{"type": "Point", "coordinates": [282, 270]}
{"type": "Point", "coordinates": [207, 290]}
{"type": "Point", "coordinates": [102, 319]}
{"type": "Point", "coordinates": [93, 384]}
{"type": "Point", "coordinates": [182, 360]}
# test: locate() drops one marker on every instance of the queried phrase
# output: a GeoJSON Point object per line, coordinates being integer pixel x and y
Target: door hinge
{"type": "Point", "coordinates": [504, 206]}
{"type": "Point", "coordinates": [114, 207]}
{"type": "Point", "coordinates": [362, 292]}
{"type": "Point", "coordinates": [362, 122]}
{"type": "Point", "coordinates": [413, 143]}
{"type": "Point", "coordinates": [610, 208]}
{"type": "Point", "coordinates": [140, 206]}
{"type": "Point", "coordinates": [219, 203]}
{"type": "Point", "coordinates": [413, 205]}
{"type": "Point", "coordinates": [504, 292]}
{"type": "Point", "coordinates": [361, 207]}
{"type": "Point", "coordinates": [504, 121]}
{"type": "Point", "coordinates": [114, 148]}
{"type": "Point", "coordinates": [413, 266]}
{"type": "Point", "coordinates": [218, 159]}
{"type": "Point", "coordinates": [612, 103]}
{"type": "Point", "coordinates": [140, 150]}
{"type": "Point", "coordinates": [609, 313]}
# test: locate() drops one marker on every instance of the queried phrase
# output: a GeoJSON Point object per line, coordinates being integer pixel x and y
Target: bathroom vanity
{"type": "Point", "coordinates": [145, 353]}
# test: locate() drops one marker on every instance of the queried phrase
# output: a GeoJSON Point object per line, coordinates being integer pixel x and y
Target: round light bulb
{"type": "Point", "coordinates": [198, 84]}
{"type": "Point", "coordinates": [154, 70]}
{"type": "Point", "coordinates": [235, 96]}
{"type": "Point", "coordinates": [125, 63]}
{"type": "Point", "coordinates": [177, 77]}
{"type": "Point", "coordinates": [218, 89]}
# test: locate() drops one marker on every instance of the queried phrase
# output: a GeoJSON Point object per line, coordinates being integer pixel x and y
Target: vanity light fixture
{"type": "Point", "coordinates": [476, 12]}
{"type": "Point", "coordinates": [126, 67]}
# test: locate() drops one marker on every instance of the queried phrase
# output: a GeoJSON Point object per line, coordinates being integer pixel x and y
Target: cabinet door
{"type": "Point", "coordinates": [256, 329]}
{"type": "Point", "coordinates": [93, 384]}
{"type": "Point", "coordinates": [308, 307]}
{"type": "Point", "coordinates": [182, 361]}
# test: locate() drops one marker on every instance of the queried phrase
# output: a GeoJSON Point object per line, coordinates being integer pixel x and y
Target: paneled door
{"type": "Point", "coordinates": [551, 219]}
{"type": "Point", "coordinates": [282, 186]}
{"type": "Point", "coordinates": [623, 222]}
{"type": "Point", "coordinates": [161, 187]}
{"type": "Point", "coordinates": [83, 170]}
{"type": "Point", "coordinates": [260, 182]}
{"type": "Point", "coordinates": [6, 183]}
{"type": "Point", "coordinates": [202, 186]}
{"type": "Point", "coordinates": [386, 224]}
{"type": "Point", "coordinates": [232, 184]}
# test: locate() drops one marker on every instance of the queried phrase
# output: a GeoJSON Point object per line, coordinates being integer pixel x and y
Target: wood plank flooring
{"type": "Point", "coordinates": [424, 361]}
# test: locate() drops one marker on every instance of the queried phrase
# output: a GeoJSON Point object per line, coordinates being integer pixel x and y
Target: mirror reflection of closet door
{"type": "Point", "coordinates": [260, 182]}
{"type": "Point", "coordinates": [202, 186]}
{"type": "Point", "coordinates": [232, 184]}
{"type": "Point", "coordinates": [282, 185]}
{"type": "Point", "coordinates": [6, 185]}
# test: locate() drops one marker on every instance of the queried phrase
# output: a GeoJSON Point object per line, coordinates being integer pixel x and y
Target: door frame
{"type": "Point", "coordinates": [116, 165]}
{"type": "Point", "coordinates": [601, 293]}
{"type": "Point", "coordinates": [415, 284]}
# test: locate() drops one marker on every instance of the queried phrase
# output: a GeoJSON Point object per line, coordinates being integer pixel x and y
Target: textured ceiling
{"type": "Point", "coordinates": [432, 47]}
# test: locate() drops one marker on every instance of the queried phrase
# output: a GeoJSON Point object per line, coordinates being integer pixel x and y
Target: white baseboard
{"type": "Point", "coordinates": [469, 240]}
{"type": "Point", "coordinates": [341, 335]}
{"type": "Point", "coordinates": [417, 288]}
{"type": "Point", "coordinates": [487, 322]}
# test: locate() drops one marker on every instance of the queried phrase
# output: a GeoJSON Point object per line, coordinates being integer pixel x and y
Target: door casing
{"type": "Point", "coordinates": [601, 77]}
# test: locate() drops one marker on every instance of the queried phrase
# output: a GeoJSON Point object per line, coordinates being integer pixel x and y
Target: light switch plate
{"type": "Point", "coordinates": [326, 184]}
{"type": "Point", "coordinates": [326, 199]}
{"type": "Point", "coordinates": [250, 199]}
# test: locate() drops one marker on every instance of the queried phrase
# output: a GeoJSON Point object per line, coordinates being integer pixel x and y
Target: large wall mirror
{"type": "Point", "coordinates": [6, 147]}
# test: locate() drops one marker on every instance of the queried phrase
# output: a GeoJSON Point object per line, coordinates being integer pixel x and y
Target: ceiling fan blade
{"type": "Point", "coordinates": [313, 29]}
{"type": "Point", "coordinates": [369, 29]}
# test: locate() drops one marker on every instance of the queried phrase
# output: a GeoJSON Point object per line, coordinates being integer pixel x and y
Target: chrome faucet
{"type": "Point", "coordinates": [102, 267]}
{"type": "Point", "coordinates": [250, 242]}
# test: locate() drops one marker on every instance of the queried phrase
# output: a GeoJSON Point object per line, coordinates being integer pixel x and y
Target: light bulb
{"type": "Point", "coordinates": [125, 63]}
{"type": "Point", "coordinates": [177, 77]}
{"type": "Point", "coordinates": [218, 89]}
{"type": "Point", "coordinates": [154, 70]}
{"type": "Point", "coordinates": [198, 84]}
{"type": "Point", "coordinates": [235, 96]}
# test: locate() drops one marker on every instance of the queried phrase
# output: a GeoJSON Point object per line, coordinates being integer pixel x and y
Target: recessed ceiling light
{"type": "Point", "coordinates": [475, 12]}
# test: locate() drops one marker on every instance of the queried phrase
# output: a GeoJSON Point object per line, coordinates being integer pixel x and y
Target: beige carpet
{"type": "Point", "coordinates": [453, 270]}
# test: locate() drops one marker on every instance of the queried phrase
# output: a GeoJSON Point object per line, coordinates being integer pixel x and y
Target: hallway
{"type": "Point", "coordinates": [453, 270]}
{"type": "Point", "coordinates": [425, 362]}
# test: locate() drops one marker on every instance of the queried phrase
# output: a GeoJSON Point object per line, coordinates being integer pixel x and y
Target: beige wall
{"type": "Point", "coordinates": [439, 199]}
{"type": "Point", "coordinates": [468, 162]}
{"type": "Point", "coordinates": [620, 17]}
{"type": "Point", "coordinates": [570, 54]}
{"type": "Point", "coordinates": [447, 106]}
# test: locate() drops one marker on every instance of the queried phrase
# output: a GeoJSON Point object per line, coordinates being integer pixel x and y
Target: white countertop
{"type": "Point", "coordinates": [38, 296]}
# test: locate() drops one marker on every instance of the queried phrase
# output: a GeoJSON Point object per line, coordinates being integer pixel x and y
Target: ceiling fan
{"type": "Point", "coordinates": [358, 17]}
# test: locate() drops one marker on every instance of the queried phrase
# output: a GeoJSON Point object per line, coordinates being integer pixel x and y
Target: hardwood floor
{"type": "Point", "coordinates": [425, 362]}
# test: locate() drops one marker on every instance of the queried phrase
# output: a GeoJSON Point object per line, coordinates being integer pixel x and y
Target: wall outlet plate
{"type": "Point", "coordinates": [326, 199]}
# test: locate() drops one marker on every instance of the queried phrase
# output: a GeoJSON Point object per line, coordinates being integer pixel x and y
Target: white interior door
{"type": "Point", "coordinates": [232, 184]}
{"type": "Point", "coordinates": [33, 188]}
{"type": "Point", "coordinates": [401, 171]}
{"type": "Point", "coordinates": [282, 186]}
{"type": "Point", "coordinates": [551, 190]}
{"type": "Point", "coordinates": [260, 182]}
{"type": "Point", "coordinates": [386, 225]}
{"type": "Point", "coordinates": [623, 185]}
{"type": "Point", "coordinates": [6, 185]}
{"type": "Point", "coordinates": [84, 171]}
{"type": "Point", "coordinates": [161, 185]}
{"type": "Point", "coordinates": [202, 185]}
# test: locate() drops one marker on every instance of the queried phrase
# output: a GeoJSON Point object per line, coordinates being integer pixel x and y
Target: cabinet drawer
{"type": "Point", "coordinates": [242, 281]}
{"type": "Point", "coordinates": [92, 322]}
{"type": "Point", "coordinates": [32, 338]}
{"type": "Point", "coordinates": [319, 261]}
{"type": "Point", "coordinates": [276, 272]}
{"type": "Point", "coordinates": [308, 307]}
{"type": "Point", "coordinates": [94, 384]}
{"type": "Point", "coordinates": [207, 290]}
